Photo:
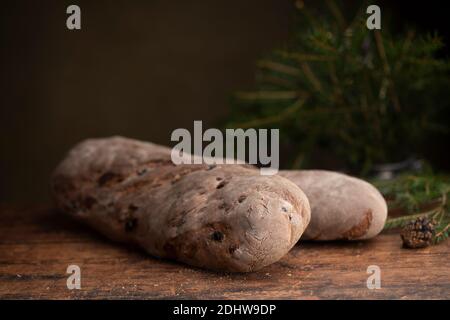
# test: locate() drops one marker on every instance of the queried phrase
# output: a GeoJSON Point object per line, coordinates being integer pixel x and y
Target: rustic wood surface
{"type": "Point", "coordinates": [37, 245]}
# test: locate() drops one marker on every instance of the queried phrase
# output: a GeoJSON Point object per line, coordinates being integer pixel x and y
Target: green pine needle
{"type": "Point", "coordinates": [363, 89]}
{"type": "Point", "coordinates": [417, 196]}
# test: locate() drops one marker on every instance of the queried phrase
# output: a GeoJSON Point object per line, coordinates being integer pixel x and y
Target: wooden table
{"type": "Point", "coordinates": [37, 245]}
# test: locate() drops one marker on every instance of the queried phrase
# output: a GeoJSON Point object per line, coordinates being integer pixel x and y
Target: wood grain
{"type": "Point", "coordinates": [37, 245]}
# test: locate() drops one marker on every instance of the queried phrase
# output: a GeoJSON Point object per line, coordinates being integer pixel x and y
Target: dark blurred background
{"type": "Point", "coordinates": [136, 68]}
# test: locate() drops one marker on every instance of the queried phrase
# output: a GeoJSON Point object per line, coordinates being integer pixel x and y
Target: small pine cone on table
{"type": "Point", "coordinates": [418, 233]}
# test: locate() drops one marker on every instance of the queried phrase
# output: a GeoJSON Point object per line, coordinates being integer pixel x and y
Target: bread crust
{"type": "Point", "coordinates": [220, 217]}
{"type": "Point", "coordinates": [342, 207]}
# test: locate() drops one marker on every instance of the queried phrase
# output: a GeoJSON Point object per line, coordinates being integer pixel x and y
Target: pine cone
{"type": "Point", "coordinates": [418, 233]}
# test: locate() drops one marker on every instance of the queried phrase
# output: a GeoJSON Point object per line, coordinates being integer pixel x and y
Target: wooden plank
{"type": "Point", "coordinates": [37, 245]}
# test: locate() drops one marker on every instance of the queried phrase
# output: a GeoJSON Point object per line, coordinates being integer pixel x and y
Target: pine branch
{"type": "Point", "coordinates": [278, 67]}
{"type": "Point", "coordinates": [259, 122]}
{"type": "Point", "coordinates": [359, 83]}
{"type": "Point", "coordinates": [304, 57]}
{"type": "Point", "coordinates": [411, 193]}
{"type": "Point", "coordinates": [336, 11]}
{"type": "Point", "coordinates": [442, 234]}
{"type": "Point", "coordinates": [402, 221]}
